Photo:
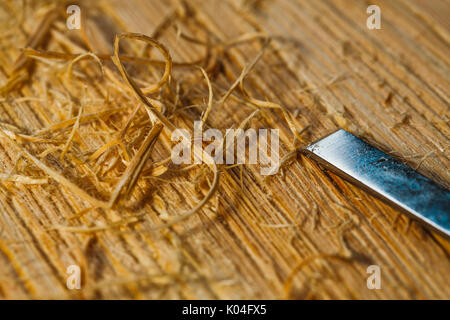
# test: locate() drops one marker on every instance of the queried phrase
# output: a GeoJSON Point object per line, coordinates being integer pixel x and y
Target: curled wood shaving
{"type": "Point", "coordinates": [153, 110]}
{"type": "Point", "coordinates": [168, 66]}
{"type": "Point", "coordinates": [321, 256]}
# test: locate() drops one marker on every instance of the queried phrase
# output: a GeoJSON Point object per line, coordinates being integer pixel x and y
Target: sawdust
{"type": "Point", "coordinates": [160, 102]}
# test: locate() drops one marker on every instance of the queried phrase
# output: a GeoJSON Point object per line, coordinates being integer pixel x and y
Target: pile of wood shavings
{"type": "Point", "coordinates": [88, 101]}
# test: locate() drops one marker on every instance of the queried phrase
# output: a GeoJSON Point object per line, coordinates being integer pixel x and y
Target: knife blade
{"type": "Point", "coordinates": [384, 177]}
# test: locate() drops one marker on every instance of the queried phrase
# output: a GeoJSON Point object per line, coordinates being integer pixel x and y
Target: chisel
{"type": "Point", "coordinates": [384, 177]}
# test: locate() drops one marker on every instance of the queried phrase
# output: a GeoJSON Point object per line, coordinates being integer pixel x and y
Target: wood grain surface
{"type": "Point", "coordinates": [257, 233]}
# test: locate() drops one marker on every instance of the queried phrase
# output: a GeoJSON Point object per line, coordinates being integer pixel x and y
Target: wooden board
{"type": "Point", "coordinates": [324, 65]}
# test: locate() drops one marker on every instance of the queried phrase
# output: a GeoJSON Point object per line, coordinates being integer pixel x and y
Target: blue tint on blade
{"type": "Point", "coordinates": [386, 177]}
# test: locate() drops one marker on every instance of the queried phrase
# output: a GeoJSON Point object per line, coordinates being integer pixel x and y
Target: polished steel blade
{"type": "Point", "coordinates": [385, 177]}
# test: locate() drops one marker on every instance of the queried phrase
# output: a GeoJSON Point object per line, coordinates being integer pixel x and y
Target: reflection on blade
{"type": "Point", "coordinates": [385, 177]}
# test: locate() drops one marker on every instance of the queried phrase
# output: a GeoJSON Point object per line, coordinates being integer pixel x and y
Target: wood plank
{"type": "Point", "coordinates": [389, 86]}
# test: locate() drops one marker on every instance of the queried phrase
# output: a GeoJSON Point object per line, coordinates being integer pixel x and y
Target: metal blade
{"type": "Point", "coordinates": [384, 177]}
